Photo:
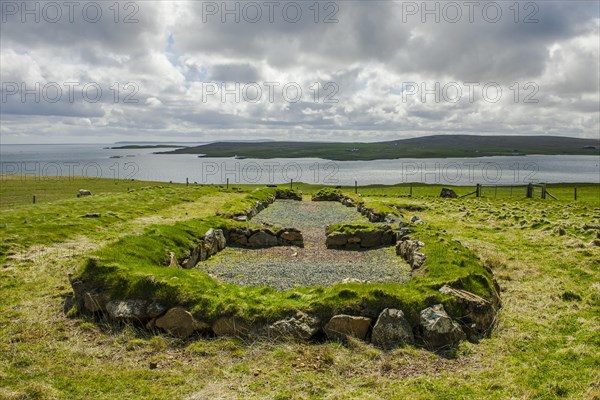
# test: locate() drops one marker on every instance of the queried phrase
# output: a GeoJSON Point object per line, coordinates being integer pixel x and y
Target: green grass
{"type": "Point", "coordinates": [546, 345]}
{"type": "Point", "coordinates": [351, 228]}
{"type": "Point", "coordinates": [440, 146]}
{"type": "Point", "coordinates": [244, 204]}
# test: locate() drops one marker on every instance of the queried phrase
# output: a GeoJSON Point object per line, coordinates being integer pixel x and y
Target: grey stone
{"type": "Point", "coordinates": [476, 314]}
{"type": "Point", "coordinates": [92, 215]}
{"type": "Point", "coordinates": [416, 220]}
{"type": "Point", "coordinates": [211, 242]}
{"type": "Point", "coordinates": [391, 329]}
{"type": "Point", "coordinates": [197, 254]}
{"type": "Point", "coordinates": [448, 193]}
{"type": "Point", "coordinates": [299, 326]}
{"type": "Point", "coordinates": [440, 332]}
{"type": "Point", "coordinates": [408, 250]}
{"type": "Point", "coordinates": [390, 218]}
{"type": "Point", "coordinates": [134, 310]}
{"type": "Point", "coordinates": [220, 237]}
{"type": "Point", "coordinates": [172, 262]}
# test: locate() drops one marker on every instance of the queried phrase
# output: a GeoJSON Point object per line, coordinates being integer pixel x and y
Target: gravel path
{"type": "Point", "coordinates": [286, 267]}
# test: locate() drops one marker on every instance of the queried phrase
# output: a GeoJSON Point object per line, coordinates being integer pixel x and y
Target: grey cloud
{"type": "Point", "coordinates": [368, 53]}
{"type": "Point", "coordinates": [234, 73]}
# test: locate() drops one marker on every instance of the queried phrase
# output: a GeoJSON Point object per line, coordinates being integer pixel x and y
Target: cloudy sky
{"type": "Point", "coordinates": [304, 70]}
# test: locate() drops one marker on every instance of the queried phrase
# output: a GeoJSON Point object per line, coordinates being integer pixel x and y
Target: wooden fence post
{"type": "Point", "coordinates": [530, 191]}
{"type": "Point", "coordinates": [478, 190]}
{"type": "Point", "coordinates": [355, 187]}
{"type": "Point", "coordinates": [33, 199]}
{"type": "Point", "coordinates": [227, 183]}
{"type": "Point", "coordinates": [543, 190]}
{"type": "Point", "coordinates": [187, 181]}
{"type": "Point", "coordinates": [291, 184]}
{"type": "Point", "coordinates": [575, 192]}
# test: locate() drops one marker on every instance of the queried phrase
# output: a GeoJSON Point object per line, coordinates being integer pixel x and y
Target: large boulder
{"type": "Point", "coordinates": [391, 329]}
{"type": "Point", "coordinates": [263, 239]}
{"type": "Point", "coordinates": [340, 327]}
{"type": "Point", "coordinates": [299, 326]}
{"type": "Point", "coordinates": [476, 314]}
{"type": "Point", "coordinates": [448, 193]}
{"type": "Point", "coordinates": [134, 310]}
{"type": "Point", "coordinates": [180, 323]}
{"type": "Point", "coordinates": [440, 332]}
{"type": "Point", "coordinates": [336, 239]}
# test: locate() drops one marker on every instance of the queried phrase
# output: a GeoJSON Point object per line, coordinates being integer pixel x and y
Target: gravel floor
{"type": "Point", "coordinates": [286, 267]}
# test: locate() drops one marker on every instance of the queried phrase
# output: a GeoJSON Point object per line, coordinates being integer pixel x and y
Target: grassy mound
{"type": "Point", "coordinates": [134, 268]}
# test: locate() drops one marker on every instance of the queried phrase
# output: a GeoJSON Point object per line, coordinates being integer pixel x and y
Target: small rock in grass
{"type": "Point", "coordinates": [448, 193]}
{"type": "Point", "coordinates": [92, 215]}
{"type": "Point", "coordinates": [173, 260]}
{"type": "Point", "coordinates": [416, 220]}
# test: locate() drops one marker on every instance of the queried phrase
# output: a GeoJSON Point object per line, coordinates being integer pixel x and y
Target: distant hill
{"type": "Point", "coordinates": [438, 146]}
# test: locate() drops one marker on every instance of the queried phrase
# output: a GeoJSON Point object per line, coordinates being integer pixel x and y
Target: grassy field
{"type": "Point", "coordinates": [441, 146]}
{"type": "Point", "coordinates": [544, 253]}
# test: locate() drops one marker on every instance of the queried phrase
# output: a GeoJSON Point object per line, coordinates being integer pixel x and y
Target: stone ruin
{"type": "Point", "coordinates": [434, 327]}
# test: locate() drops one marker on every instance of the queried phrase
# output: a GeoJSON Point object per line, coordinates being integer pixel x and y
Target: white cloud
{"type": "Point", "coordinates": [164, 62]}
